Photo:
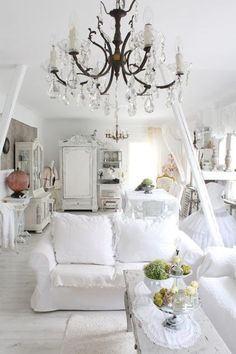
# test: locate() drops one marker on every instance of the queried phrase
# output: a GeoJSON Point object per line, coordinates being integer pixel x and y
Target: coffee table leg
{"type": "Point", "coordinates": [128, 313]}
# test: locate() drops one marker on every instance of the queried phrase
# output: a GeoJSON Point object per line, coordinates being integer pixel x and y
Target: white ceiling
{"type": "Point", "coordinates": [207, 29]}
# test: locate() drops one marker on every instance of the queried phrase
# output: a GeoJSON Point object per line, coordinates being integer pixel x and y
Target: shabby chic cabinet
{"type": "Point", "coordinates": [78, 173]}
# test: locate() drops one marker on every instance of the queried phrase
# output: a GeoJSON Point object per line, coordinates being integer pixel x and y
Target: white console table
{"type": "Point", "coordinates": [19, 204]}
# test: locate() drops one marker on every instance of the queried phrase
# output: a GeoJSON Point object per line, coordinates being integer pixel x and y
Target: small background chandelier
{"type": "Point", "coordinates": [139, 60]}
{"type": "Point", "coordinates": [117, 134]}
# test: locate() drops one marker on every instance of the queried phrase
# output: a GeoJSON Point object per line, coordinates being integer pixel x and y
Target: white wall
{"type": "Point", "coordinates": [57, 129]}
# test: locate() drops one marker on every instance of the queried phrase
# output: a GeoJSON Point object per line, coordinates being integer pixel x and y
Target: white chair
{"type": "Point", "coordinates": [165, 182]}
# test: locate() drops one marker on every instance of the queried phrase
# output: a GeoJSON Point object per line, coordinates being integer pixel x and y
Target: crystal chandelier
{"type": "Point", "coordinates": [117, 134]}
{"type": "Point", "coordinates": [139, 60]}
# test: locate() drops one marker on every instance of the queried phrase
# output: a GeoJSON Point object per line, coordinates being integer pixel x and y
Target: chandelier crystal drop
{"type": "Point", "coordinates": [138, 59]}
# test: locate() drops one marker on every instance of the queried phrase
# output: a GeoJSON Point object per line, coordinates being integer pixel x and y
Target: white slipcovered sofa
{"type": "Point", "coordinates": [79, 266]}
{"type": "Point", "coordinates": [218, 291]}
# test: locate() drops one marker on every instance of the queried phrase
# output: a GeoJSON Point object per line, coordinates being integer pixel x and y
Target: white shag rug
{"type": "Point", "coordinates": [101, 332]}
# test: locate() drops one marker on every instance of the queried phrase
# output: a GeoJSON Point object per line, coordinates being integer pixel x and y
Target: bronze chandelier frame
{"type": "Point", "coordinates": [117, 61]}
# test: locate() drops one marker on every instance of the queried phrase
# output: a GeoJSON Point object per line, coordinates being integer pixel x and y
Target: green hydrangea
{"type": "Point", "coordinates": [156, 270]}
{"type": "Point", "coordinates": [147, 182]}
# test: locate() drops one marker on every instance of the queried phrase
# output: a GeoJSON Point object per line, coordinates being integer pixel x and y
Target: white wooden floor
{"type": "Point", "coordinates": [21, 330]}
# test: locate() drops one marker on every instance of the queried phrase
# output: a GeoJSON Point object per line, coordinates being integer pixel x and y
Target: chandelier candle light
{"type": "Point", "coordinates": [139, 58]}
{"type": "Point", "coordinates": [117, 134]}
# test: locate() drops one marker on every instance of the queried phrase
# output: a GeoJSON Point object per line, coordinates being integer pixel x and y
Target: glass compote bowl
{"type": "Point", "coordinates": [182, 303]}
{"type": "Point", "coordinates": [148, 189]}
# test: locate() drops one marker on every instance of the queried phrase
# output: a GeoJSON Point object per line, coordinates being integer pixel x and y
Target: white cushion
{"type": "Point", "coordinates": [82, 275]}
{"type": "Point", "coordinates": [190, 252]}
{"type": "Point", "coordinates": [82, 239]}
{"type": "Point", "coordinates": [91, 275]}
{"type": "Point", "coordinates": [144, 240]}
{"type": "Point", "coordinates": [218, 262]}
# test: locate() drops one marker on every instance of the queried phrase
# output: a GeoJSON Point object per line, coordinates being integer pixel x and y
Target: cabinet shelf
{"type": "Point", "coordinates": [219, 175]}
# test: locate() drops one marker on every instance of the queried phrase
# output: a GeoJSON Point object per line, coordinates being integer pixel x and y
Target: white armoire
{"type": "Point", "coordinates": [78, 173]}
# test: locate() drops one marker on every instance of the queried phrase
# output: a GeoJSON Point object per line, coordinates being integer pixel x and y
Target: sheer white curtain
{"type": "Point", "coordinates": [140, 164]}
{"type": "Point", "coordinates": [174, 145]}
{"type": "Point", "coordinates": [146, 157]}
{"type": "Point", "coordinates": [156, 143]}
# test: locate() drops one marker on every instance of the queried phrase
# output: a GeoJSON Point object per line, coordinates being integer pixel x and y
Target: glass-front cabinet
{"type": "Point", "coordinates": [111, 158]}
{"type": "Point", "coordinates": [29, 158]}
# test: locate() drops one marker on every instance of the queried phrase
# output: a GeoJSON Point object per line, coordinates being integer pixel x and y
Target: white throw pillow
{"type": "Point", "coordinates": [141, 240]}
{"type": "Point", "coordinates": [82, 239]}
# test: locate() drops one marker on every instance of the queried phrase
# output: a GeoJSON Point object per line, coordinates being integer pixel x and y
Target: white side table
{"type": "Point", "coordinates": [19, 204]}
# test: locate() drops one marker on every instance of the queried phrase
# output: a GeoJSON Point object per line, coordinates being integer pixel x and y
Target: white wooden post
{"type": "Point", "coordinates": [197, 173]}
{"type": "Point", "coordinates": [10, 102]}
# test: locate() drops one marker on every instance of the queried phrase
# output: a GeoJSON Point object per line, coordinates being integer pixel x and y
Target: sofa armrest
{"type": "Point", "coordinates": [218, 262]}
{"type": "Point", "coordinates": [42, 258]}
{"type": "Point", "coordinates": [189, 250]}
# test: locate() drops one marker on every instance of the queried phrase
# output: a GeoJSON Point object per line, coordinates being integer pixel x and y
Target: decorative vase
{"type": "Point", "coordinates": [18, 181]}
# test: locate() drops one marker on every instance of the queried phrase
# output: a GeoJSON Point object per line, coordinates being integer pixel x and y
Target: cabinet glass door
{"type": "Point", "coordinates": [37, 167]}
{"type": "Point", "coordinates": [24, 161]}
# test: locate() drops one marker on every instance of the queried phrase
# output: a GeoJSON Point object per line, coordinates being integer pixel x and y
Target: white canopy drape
{"type": "Point", "coordinates": [174, 145]}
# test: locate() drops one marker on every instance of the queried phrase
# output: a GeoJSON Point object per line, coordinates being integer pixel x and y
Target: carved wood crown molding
{"type": "Point", "coordinates": [79, 140]}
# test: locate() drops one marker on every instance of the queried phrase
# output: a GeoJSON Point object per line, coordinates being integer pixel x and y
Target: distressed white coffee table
{"type": "Point", "coordinates": [209, 342]}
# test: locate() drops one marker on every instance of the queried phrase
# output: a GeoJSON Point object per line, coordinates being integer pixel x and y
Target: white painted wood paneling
{"type": "Point", "coordinates": [77, 172]}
